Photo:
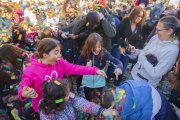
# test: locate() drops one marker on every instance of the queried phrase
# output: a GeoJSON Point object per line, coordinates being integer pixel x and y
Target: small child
{"type": "Point", "coordinates": [61, 105]}
{"type": "Point", "coordinates": [137, 100]}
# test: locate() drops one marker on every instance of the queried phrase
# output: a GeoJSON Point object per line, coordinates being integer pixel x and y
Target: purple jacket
{"type": "Point", "coordinates": [69, 113]}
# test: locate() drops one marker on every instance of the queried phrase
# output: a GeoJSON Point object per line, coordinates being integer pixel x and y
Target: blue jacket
{"type": "Point", "coordinates": [138, 105]}
{"type": "Point", "coordinates": [117, 21]}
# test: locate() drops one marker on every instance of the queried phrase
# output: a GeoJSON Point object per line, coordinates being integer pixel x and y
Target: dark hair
{"type": "Point", "coordinates": [172, 12]}
{"type": "Point", "coordinates": [18, 35]}
{"type": "Point", "coordinates": [90, 43]}
{"type": "Point", "coordinates": [92, 18]}
{"type": "Point", "coordinates": [11, 53]}
{"type": "Point", "coordinates": [171, 22]}
{"type": "Point", "coordinates": [45, 46]}
{"type": "Point", "coordinates": [96, 96]}
{"type": "Point", "coordinates": [6, 80]}
{"type": "Point", "coordinates": [120, 14]}
{"type": "Point", "coordinates": [52, 91]}
{"type": "Point", "coordinates": [135, 12]}
{"type": "Point", "coordinates": [107, 99]}
{"type": "Point", "coordinates": [47, 33]}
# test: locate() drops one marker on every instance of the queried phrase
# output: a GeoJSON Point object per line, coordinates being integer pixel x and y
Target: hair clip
{"type": "Point", "coordinates": [112, 91]}
{"type": "Point", "coordinates": [109, 89]}
{"type": "Point", "coordinates": [87, 24]}
{"type": "Point", "coordinates": [1, 45]}
{"type": "Point", "coordinates": [19, 59]}
{"type": "Point", "coordinates": [57, 82]}
{"type": "Point", "coordinates": [57, 101]}
{"type": "Point", "coordinates": [119, 95]}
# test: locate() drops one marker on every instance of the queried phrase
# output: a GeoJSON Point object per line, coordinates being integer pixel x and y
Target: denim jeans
{"type": "Point", "coordinates": [124, 59]}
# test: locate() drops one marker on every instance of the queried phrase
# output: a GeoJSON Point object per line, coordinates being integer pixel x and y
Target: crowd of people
{"type": "Point", "coordinates": [89, 60]}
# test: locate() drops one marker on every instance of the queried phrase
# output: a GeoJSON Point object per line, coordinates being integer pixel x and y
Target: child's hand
{"type": "Point", "coordinates": [101, 73]}
{"type": "Point", "coordinates": [117, 72]}
{"type": "Point", "coordinates": [71, 95]}
{"type": "Point", "coordinates": [123, 51]}
{"type": "Point", "coordinates": [28, 92]}
{"type": "Point", "coordinates": [132, 49]}
{"type": "Point", "coordinates": [89, 63]}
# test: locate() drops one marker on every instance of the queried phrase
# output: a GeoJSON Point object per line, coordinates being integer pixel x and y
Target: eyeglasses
{"type": "Point", "coordinates": [158, 30]}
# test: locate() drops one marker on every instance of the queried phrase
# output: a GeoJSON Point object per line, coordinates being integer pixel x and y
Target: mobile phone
{"type": "Point", "coordinates": [68, 35]}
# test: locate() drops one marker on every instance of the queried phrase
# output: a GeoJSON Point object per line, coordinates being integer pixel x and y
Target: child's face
{"type": "Point", "coordinates": [97, 49]}
{"type": "Point", "coordinates": [53, 55]}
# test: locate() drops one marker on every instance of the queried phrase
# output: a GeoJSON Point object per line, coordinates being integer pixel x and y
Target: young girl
{"type": "Point", "coordinates": [61, 105]}
{"type": "Point", "coordinates": [137, 100]}
{"type": "Point", "coordinates": [48, 65]}
{"type": "Point", "coordinates": [93, 54]}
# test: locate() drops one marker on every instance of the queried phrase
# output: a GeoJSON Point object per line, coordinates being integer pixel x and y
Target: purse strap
{"type": "Point", "coordinates": [133, 33]}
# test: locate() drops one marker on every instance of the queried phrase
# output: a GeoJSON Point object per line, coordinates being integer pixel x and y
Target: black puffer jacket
{"type": "Point", "coordinates": [124, 32]}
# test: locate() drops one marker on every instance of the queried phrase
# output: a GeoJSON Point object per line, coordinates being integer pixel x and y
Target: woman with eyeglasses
{"type": "Point", "coordinates": [128, 33]}
{"type": "Point", "coordinates": [160, 53]}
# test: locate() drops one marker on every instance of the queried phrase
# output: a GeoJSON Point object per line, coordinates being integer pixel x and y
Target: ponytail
{"type": "Point", "coordinates": [177, 31]}
{"type": "Point", "coordinates": [36, 55]}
